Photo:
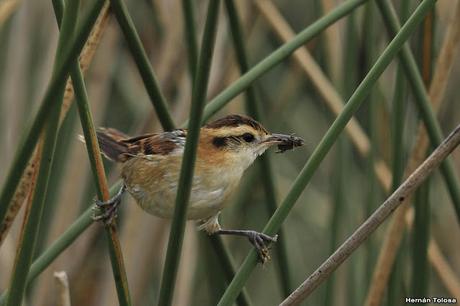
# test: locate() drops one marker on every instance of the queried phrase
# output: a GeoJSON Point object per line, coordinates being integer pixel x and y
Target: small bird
{"type": "Point", "coordinates": [151, 166]}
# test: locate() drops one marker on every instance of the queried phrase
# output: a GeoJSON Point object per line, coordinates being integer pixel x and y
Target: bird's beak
{"type": "Point", "coordinates": [274, 139]}
{"type": "Point", "coordinates": [284, 142]}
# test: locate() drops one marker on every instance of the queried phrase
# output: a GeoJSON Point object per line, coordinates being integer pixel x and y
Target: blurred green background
{"type": "Point", "coordinates": [342, 193]}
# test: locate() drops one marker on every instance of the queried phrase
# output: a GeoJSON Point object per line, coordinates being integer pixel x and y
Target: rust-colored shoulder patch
{"type": "Point", "coordinates": [234, 121]}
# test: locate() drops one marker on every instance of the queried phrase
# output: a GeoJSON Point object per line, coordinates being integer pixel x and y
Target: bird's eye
{"type": "Point", "coordinates": [248, 137]}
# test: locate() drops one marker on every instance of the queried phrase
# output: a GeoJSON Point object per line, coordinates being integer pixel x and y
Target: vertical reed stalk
{"type": "Point", "coordinates": [254, 111]}
{"type": "Point", "coordinates": [421, 237]}
{"type": "Point", "coordinates": [190, 35]}
{"type": "Point", "coordinates": [63, 242]}
{"type": "Point", "coordinates": [228, 267]}
{"type": "Point", "coordinates": [145, 68]}
{"type": "Point", "coordinates": [394, 293]}
{"type": "Point", "coordinates": [423, 102]}
{"type": "Point", "coordinates": [344, 150]}
{"type": "Point", "coordinates": [277, 56]}
{"type": "Point", "coordinates": [324, 146]}
{"type": "Point", "coordinates": [404, 191]}
{"type": "Point", "coordinates": [32, 132]}
{"type": "Point", "coordinates": [28, 239]}
{"type": "Point", "coordinates": [437, 91]}
{"type": "Point", "coordinates": [216, 241]}
{"type": "Point", "coordinates": [374, 192]}
{"type": "Point", "coordinates": [188, 162]}
{"type": "Point", "coordinates": [24, 185]}
{"type": "Point", "coordinates": [98, 171]}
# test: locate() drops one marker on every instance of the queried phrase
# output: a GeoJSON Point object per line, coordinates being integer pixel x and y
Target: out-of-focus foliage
{"type": "Point", "coordinates": [341, 195]}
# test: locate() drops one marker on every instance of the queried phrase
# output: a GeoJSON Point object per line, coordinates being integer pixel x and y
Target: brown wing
{"type": "Point", "coordinates": [111, 144]}
{"type": "Point", "coordinates": [119, 147]}
{"type": "Point", "coordinates": [161, 143]}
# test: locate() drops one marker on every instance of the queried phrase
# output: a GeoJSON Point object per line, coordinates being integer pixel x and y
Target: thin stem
{"type": "Point", "coordinates": [394, 293]}
{"type": "Point", "coordinates": [61, 244]}
{"type": "Point", "coordinates": [25, 183]}
{"type": "Point", "coordinates": [278, 56]}
{"type": "Point", "coordinates": [98, 170]}
{"type": "Point", "coordinates": [145, 68]}
{"type": "Point", "coordinates": [325, 145]}
{"type": "Point", "coordinates": [421, 237]}
{"type": "Point", "coordinates": [375, 220]}
{"type": "Point", "coordinates": [190, 35]}
{"type": "Point", "coordinates": [227, 266]}
{"type": "Point", "coordinates": [29, 235]}
{"type": "Point", "coordinates": [253, 110]}
{"type": "Point", "coordinates": [423, 103]}
{"type": "Point", "coordinates": [188, 162]}
{"type": "Point", "coordinates": [97, 167]}
{"type": "Point", "coordinates": [31, 134]}
{"type": "Point", "coordinates": [394, 232]}
{"type": "Point", "coordinates": [374, 191]}
{"type": "Point", "coordinates": [350, 77]}
{"type": "Point", "coordinates": [216, 241]}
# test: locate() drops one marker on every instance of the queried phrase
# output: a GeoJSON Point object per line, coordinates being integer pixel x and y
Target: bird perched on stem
{"type": "Point", "coordinates": [151, 166]}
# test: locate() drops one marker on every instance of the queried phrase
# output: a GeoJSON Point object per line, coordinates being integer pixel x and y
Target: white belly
{"type": "Point", "coordinates": [206, 200]}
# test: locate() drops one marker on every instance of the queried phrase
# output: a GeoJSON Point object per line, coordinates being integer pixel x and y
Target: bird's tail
{"type": "Point", "coordinates": [112, 145]}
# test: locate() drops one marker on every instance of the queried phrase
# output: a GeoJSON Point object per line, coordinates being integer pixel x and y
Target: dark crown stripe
{"type": "Point", "coordinates": [234, 121]}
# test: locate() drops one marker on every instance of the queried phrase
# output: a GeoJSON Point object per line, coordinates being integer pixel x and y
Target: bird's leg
{"type": "Point", "coordinates": [259, 240]}
{"type": "Point", "coordinates": [109, 207]}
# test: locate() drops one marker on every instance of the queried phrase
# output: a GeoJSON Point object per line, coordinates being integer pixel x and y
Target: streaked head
{"type": "Point", "coordinates": [243, 137]}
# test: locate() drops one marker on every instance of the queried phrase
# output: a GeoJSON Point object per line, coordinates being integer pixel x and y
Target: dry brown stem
{"type": "Point", "coordinates": [26, 182]}
{"type": "Point", "coordinates": [394, 232]}
{"type": "Point", "coordinates": [62, 282]}
{"type": "Point", "coordinates": [325, 88]}
{"type": "Point", "coordinates": [375, 220]}
{"type": "Point", "coordinates": [355, 132]}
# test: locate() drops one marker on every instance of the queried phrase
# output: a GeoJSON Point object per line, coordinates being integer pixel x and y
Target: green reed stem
{"type": "Point", "coordinates": [278, 56]}
{"type": "Point", "coordinates": [421, 237]}
{"type": "Point", "coordinates": [423, 103]}
{"type": "Point", "coordinates": [374, 192]}
{"type": "Point", "coordinates": [349, 208]}
{"type": "Point", "coordinates": [394, 292]}
{"type": "Point", "coordinates": [227, 266]}
{"type": "Point", "coordinates": [65, 138]}
{"type": "Point", "coordinates": [116, 256]}
{"type": "Point", "coordinates": [188, 163]}
{"type": "Point", "coordinates": [32, 132]}
{"type": "Point", "coordinates": [421, 229]}
{"type": "Point", "coordinates": [216, 242]}
{"type": "Point", "coordinates": [97, 167]}
{"type": "Point", "coordinates": [190, 35]}
{"type": "Point", "coordinates": [33, 217]}
{"type": "Point", "coordinates": [143, 64]}
{"type": "Point", "coordinates": [62, 243]}
{"type": "Point", "coordinates": [74, 231]}
{"type": "Point", "coordinates": [325, 145]}
{"type": "Point", "coordinates": [253, 110]}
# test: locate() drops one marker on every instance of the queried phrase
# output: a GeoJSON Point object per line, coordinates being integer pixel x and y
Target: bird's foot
{"type": "Point", "coordinates": [107, 211]}
{"type": "Point", "coordinates": [260, 241]}
{"type": "Point", "coordinates": [106, 214]}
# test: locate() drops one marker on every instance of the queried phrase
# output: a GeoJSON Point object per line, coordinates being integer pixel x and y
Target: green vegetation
{"type": "Point", "coordinates": [156, 64]}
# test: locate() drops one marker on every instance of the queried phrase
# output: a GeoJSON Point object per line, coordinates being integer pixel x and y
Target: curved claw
{"type": "Point", "coordinates": [107, 215]}
{"type": "Point", "coordinates": [107, 211]}
{"type": "Point", "coordinates": [261, 241]}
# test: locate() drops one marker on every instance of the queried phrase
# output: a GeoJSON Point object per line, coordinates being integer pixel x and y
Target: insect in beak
{"type": "Point", "coordinates": [284, 142]}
